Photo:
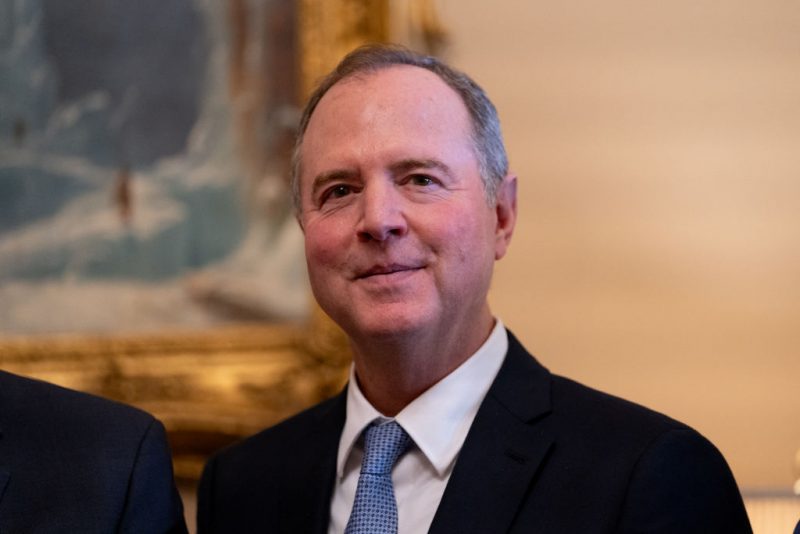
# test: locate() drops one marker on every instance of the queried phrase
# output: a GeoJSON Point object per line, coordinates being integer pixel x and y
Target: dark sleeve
{"type": "Point", "coordinates": [204, 499]}
{"type": "Point", "coordinates": [153, 504]}
{"type": "Point", "coordinates": [682, 483]}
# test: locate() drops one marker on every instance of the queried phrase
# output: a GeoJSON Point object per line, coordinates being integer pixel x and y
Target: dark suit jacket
{"type": "Point", "coordinates": [75, 463]}
{"type": "Point", "coordinates": [544, 455]}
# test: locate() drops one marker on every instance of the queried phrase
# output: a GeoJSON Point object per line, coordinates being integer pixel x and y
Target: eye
{"type": "Point", "coordinates": [337, 191]}
{"type": "Point", "coordinates": [421, 180]}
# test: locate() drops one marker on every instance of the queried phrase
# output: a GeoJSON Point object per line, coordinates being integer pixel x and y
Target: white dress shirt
{"type": "Point", "coordinates": [437, 421]}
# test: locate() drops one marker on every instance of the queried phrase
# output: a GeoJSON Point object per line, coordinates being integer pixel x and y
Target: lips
{"type": "Point", "coordinates": [383, 270]}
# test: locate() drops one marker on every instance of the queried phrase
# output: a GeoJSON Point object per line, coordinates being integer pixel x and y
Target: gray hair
{"type": "Point", "coordinates": [486, 136]}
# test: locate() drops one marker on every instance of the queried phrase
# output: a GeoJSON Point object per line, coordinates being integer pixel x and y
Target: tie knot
{"type": "Point", "coordinates": [383, 445]}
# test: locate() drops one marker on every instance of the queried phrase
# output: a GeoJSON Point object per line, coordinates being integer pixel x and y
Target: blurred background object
{"type": "Point", "coordinates": [657, 252]}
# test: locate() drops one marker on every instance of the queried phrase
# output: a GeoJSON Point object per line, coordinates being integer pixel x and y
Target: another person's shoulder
{"type": "Point", "coordinates": [93, 430]}
{"type": "Point", "coordinates": [81, 463]}
{"type": "Point", "coordinates": [40, 403]}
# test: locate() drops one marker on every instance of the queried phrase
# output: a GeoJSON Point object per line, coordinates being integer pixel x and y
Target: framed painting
{"type": "Point", "coordinates": [145, 152]}
{"type": "Point", "coordinates": [148, 251]}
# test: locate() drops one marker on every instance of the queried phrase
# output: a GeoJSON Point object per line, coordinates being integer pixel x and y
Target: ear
{"type": "Point", "coordinates": [506, 211]}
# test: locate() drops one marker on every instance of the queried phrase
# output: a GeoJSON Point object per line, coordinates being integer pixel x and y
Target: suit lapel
{"type": "Point", "coordinates": [502, 453]}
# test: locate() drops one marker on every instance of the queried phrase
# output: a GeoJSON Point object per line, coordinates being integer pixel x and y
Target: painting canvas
{"type": "Point", "coordinates": [144, 163]}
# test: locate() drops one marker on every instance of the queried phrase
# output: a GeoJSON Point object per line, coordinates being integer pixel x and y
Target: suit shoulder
{"type": "Point", "coordinates": [280, 437]}
{"type": "Point", "coordinates": [572, 395]}
{"type": "Point", "coordinates": [581, 414]}
{"type": "Point", "coordinates": [290, 455]}
{"type": "Point", "coordinates": [612, 424]}
{"type": "Point", "coordinates": [35, 400]}
{"type": "Point", "coordinates": [664, 471]}
{"type": "Point", "coordinates": [586, 404]}
{"type": "Point", "coordinates": [575, 411]}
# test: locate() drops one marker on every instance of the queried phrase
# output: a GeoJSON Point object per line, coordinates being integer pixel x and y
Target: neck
{"type": "Point", "coordinates": [393, 372]}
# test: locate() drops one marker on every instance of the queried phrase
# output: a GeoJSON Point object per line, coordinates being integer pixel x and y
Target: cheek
{"type": "Point", "coordinates": [466, 246]}
{"type": "Point", "coordinates": [472, 231]}
{"type": "Point", "coordinates": [321, 250]}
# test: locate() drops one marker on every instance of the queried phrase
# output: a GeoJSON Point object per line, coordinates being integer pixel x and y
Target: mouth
{"type": "Point", "coordinates": [379, 271]}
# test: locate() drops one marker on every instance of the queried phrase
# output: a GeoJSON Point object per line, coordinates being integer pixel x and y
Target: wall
{"type": "Point", "coordinates": [657, 254]}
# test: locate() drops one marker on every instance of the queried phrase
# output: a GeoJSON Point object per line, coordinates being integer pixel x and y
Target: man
{"type": "Point", "coordinates": [72, 462]}
{"type": "Point", "coordinates": [447, 425]}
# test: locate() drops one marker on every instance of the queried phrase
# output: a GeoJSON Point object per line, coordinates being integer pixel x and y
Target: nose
{"type": "Point", "coordinates": [382, 214]}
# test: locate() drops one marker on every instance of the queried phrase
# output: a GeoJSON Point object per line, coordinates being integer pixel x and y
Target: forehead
{"type": "Point", "coordinates": [399, 101]}
{"type": "Point", "coordinates": [404, 84]}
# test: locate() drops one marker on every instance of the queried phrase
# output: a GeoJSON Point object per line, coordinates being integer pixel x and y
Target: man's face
{"type": "Point", "coordinates": [399, 236]}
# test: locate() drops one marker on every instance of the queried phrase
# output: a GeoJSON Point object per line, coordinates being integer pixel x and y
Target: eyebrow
{"type": "Point", "coordinates": [407, 165]}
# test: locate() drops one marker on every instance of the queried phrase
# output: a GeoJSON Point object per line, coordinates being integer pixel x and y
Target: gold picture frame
{"type": "Point", "coordinates": [213, 387]}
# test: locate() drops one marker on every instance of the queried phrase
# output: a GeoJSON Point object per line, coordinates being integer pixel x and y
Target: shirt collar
{"type": "Point", "coordinates": [439, 419]}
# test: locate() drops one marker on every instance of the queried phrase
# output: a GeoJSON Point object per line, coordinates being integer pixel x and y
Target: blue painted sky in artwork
{"type": "Point", "coordinates": [148, 56]}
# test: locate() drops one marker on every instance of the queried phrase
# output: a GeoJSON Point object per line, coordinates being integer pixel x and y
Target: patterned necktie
{"type": "Point", "coordinates": [375, 508]}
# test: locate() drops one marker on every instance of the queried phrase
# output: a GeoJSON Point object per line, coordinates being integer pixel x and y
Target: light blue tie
{"type": "Point", "coordinates": [375, 508]}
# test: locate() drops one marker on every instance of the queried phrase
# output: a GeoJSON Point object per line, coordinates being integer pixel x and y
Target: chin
{"type": "Point", "coordinates": [386, 324]}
